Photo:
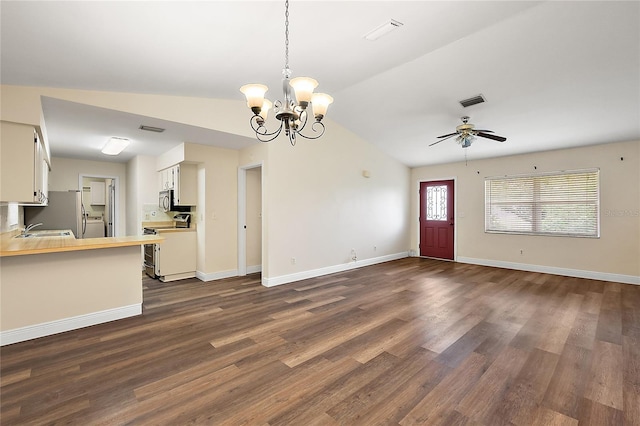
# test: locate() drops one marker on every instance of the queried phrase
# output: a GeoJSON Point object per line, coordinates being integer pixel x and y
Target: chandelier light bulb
{"type": "Point", "coordinates": [320, 103]}
{"type": "Point", "coordinates": [255, 96]}
{"type": "Point", "coordinates": [303, 88]}
{"type": "Point", "coordinates": [266, 106]}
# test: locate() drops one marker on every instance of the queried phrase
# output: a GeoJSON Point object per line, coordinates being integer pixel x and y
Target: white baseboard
{"type": "Point", "coordinates": [67, 324]}
{"type": "Point", "coordinates": [212, 276]}
{"type": "Point", "coordinates": [577, 273]}
{"type": "Point", "coordinates": [175, 277]}
{"type": "Point", "coordinates": [284, 279]}
{"type": "Point", "coordinates": [254, 269]}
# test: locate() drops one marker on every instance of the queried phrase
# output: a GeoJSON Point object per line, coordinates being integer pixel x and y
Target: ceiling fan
{"type": "Point", "coordinates": [466, 134]}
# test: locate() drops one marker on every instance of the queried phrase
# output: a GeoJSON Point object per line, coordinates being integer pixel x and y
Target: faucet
{"type": "Point", "coordinates": [30, 227]}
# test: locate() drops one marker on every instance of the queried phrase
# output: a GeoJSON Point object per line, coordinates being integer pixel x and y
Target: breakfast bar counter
{"type": "Point", "coordinates": [41, 242]}
{"type": "Point", "coordinates": [56, 283]}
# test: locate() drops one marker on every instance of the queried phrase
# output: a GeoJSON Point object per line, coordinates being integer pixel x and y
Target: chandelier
{"type": "Point", "coordinates": [292, 110]}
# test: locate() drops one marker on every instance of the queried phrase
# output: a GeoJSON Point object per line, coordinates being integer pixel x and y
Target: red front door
{"type": "Point", "coordinates": [436, 219]}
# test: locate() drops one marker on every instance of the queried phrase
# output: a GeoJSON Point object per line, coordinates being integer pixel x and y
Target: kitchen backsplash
{"type": "Point", "coordinates": [151, 213]}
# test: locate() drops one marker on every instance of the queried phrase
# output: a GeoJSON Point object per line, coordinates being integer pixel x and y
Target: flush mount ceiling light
{"type": "Point", "coordinates": [115, 146]}
{"type": "Point", "coordinates": [292, 115]}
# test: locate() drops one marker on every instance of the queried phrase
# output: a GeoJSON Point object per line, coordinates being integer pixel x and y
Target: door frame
{"type": "Point", "coordinates": [242, 216]}
{"type": "Point", "coordinates": [455, 216]}
{"type": "Point", "coordinates": [116, 195]}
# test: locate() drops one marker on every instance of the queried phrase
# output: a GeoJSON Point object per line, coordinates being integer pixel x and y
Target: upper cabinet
{"type": "Point", "coordinates": [98, 193]}
{"type": "Point", "coordinates": [167, 180]}
{"type": "Point", "coordinates": [24, 166]}
{"type": "Point", "coordinates": [182, 179]}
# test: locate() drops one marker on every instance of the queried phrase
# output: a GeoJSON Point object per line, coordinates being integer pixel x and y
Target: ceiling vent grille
{"type": "Point", "coordinates": [383, 29]}
{"type": "Point", "coordinates": [472, 101]}
{"type": "Point", "coordinates": [151, 128]}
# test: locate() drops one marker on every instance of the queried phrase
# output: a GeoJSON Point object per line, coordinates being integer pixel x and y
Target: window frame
{"type": "Point", "coordinates": [536, 204]}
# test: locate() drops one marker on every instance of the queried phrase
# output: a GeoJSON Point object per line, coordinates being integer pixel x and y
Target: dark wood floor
{"type": "Point", "coordinates": [413, 341]}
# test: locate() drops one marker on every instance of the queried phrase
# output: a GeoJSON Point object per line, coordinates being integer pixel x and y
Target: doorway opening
{"type": "Point", "coordinates": [100, 195]}
{"type": "Point", "coordinates": [250, 229]}
{"type": "Point", "coordinates": [437, 219]}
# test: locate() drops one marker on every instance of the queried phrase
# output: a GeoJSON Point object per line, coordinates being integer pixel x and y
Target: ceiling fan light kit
{"type": "Point", "coordinates": [292, 110]}
{"type": "Point", "coordinates": [466, 133]}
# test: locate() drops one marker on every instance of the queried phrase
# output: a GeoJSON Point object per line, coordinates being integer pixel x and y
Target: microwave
{"type": "Point", "coordinates": [166, 202]}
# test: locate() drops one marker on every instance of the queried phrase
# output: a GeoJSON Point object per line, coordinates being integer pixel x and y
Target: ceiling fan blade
{"type": "Point", "coordinates": [483, 131]}
{"type": "Point", "coordinates": [445, 138]}
{"type": "Point", "coordinates": [494, 137]}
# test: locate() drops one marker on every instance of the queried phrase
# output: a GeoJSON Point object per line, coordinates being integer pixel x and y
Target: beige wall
{"type": "Point", "coordinates": [617, 251]}
{"type": "Point", "coordinates": [216, 216]}
{"type": "Point", "coordinates": [142, 188]}
{"type": "Point", "coordinates": [67, 285]}
{"type": "Point", "coordinates": [319, 206]}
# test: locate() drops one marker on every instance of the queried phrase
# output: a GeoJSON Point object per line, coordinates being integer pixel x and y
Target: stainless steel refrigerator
{"type": "Point", "coordinates": [64, 211]}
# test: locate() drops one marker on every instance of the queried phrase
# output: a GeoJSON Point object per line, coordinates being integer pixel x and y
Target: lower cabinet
{"type": "Point", "coordinates": [176, 256]}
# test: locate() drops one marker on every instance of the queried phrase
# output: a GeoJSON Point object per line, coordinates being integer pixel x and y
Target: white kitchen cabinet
{"type": "Point", "coordinates": [185, 191]}
{"type": "Point", "coordinates": [182, 179]}
{"type": "Point", "coordinates": [24, 169]}
{"type": "Point", "coordinates": [176, 256]}
{"type": "Point", "coordinates": [167, 178]}
{"type": "Point", "coordinates": [98, 193]}
{"type": "Point", "coordinates": [44, 178]}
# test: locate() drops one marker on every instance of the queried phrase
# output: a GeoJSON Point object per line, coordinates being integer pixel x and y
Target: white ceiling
{"type": "Point", "coordinates": [555, 74]}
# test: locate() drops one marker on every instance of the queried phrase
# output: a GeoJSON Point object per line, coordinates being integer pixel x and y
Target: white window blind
{"type": "Point", "coordinates": [561, 203]}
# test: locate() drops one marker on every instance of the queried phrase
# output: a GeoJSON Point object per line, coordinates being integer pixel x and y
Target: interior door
{"type": "Point", "coordinates": [437, 219]}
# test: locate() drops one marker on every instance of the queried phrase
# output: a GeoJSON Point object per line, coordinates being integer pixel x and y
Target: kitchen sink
{"type": "Point", "coordinates": [45, 234]}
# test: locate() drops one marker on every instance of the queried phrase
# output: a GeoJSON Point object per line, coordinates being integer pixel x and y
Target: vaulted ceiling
{"type": "Point", "coordinates": [554, 74]}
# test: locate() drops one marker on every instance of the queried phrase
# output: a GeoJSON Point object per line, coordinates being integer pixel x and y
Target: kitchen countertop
{"type": "Point", "coordinates": [167, 226]}
{"type": "Point", "coordinates": [11, 246]}
{"type": "Point", "coordinates": [163, 230]}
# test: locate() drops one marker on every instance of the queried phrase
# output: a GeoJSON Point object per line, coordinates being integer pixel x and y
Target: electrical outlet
{"type": "Point", "coordinates": [521, 252]}
{"type": "Point", "coordinates": [293, 260]}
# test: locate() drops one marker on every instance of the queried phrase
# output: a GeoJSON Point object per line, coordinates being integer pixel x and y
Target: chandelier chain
{"type": "Point", "coordinates": [286, 35]}
{"type": "Point", "coordinates": [292, 111]}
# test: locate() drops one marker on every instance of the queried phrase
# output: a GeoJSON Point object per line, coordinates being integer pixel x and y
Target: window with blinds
{"type": "Point", "coordinates": [561, 203]}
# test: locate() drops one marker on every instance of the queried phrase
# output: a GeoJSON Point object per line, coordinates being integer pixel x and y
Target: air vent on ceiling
{"type": "Point", "coordinates": [151, 128]}
{"type": "Point", "coordinates": [472, 101]}
{"type": "Point", "coordinates": [383, 29]}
